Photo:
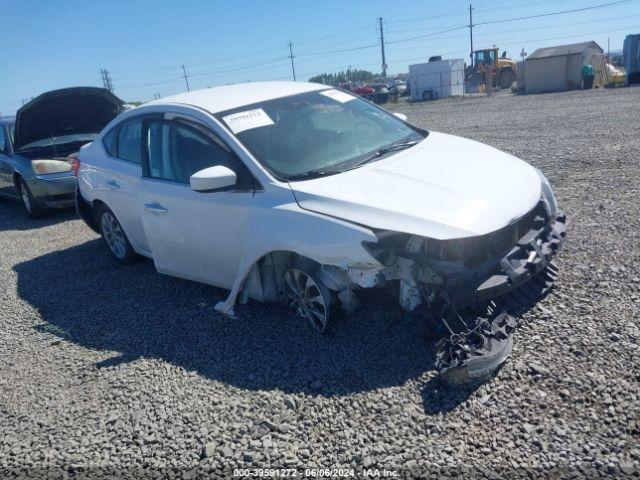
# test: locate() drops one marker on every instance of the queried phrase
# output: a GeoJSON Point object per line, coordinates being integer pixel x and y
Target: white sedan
{"type": "Point", "coordinates": [306, 194]}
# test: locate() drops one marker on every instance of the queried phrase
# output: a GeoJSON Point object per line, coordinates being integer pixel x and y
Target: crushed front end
{"type": "Point", "coordinates": [474, 285]}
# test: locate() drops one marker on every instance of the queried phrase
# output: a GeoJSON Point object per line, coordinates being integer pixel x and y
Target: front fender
{"type": "Point", "coordinates": [286, 227]}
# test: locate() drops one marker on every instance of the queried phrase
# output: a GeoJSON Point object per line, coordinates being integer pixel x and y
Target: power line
{"type": "Point", "coordinates": [428, 34]}
{"type": "Point", "coordinates": [511, 4]}
{"type": "Point", "coordinates": [545, 27]}
{"type": "Point", "coordinates": [238, 68]}
{"type": "Point", "coordinates": [590, 33]}
{"type": "Point", "coordinates": [525, 3]}
{"type": "Point", "coordinates": [555, 13]}
{"type": "Point", "coordinates": [419, 19]}
{"type": "Point", "coordinates": [150, 84]}
{"type": "Point", "coordinates": [363, 47]}
{"type": "Point", "coordinates": [349, 33]}
{"type": "Point", "coordinates": [501, 32]}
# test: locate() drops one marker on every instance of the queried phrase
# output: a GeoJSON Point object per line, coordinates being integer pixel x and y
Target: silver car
{"type": "Point", "coordinates": [39, 145]}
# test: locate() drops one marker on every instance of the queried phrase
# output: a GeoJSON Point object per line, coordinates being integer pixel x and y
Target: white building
{"type": "Point", "coordinates": [439, 79]}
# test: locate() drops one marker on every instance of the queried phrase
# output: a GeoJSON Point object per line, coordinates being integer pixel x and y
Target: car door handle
{"type": "Point", "coordinates": [155, 208]}
{"type": "Point", "coordinates": [113, 185]}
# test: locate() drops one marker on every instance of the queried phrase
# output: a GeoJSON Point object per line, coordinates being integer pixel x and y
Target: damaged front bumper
{"type": "Point", "coordinates": [530, 256]}
{"type": "Point", "coordinates": [468, 271]}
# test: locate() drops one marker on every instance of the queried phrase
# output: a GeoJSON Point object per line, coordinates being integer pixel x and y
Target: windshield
{"type": "Point", "coordinates": [325, 131]}
{"type": "Point", "coordinates": [47, 142]}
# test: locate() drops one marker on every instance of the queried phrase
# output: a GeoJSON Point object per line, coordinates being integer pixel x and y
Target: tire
{"type": "Point", "coordinates": [506, 79]}
{"type": "Point", "coordinates": [30, 205]}
{"type": "Point", "coordinates": [427, 95]}
{"type": "Point", "coordinates": [475, 79]}
{"type": "Point", "coordinates": [114, 237]}
{"type": "Point", "coordinates": [309, 297]}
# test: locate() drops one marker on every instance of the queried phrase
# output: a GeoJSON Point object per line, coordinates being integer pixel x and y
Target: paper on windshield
{"type": "Point", "coordinates": [241, 121]}
{"type": "Point", "coordinates": [337, 95]}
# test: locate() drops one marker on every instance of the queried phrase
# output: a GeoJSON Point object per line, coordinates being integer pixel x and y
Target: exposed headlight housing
{"type": "Point", "coordinates": [47, 167]}
{"type": "Point", "coordinates": [548, 197]}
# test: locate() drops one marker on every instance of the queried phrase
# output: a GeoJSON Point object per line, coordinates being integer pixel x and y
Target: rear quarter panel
{"type": "Point", "coordinates": [97, 171]}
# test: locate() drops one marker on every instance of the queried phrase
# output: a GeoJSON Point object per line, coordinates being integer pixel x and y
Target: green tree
{"type": "Point", "coordinates": [335, 79]}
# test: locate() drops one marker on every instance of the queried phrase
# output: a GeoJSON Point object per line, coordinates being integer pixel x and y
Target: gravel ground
{"type": "Point", "coordinates": [116, 371]}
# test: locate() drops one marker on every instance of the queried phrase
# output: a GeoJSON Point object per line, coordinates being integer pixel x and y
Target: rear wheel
{"type": "Point", "coordinates": [114, 237]}
{"type": "Point", "coordinates": [31, 207]}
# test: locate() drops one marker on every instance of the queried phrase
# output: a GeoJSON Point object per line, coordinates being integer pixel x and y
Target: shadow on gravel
{"type": "Point", "coordinates": [85, 298]}
{"type": "Point", "coordinates": [438, 397]}
{"type": "Point", "coordinates": [13, 217]}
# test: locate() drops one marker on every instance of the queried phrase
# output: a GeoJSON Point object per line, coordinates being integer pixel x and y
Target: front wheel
{"type": "Point", "coordinates": [114, 237]}
{"type": "Point", "coordinates": [31, 207]}
{"type": "Point", "coordinates": [309, 297]}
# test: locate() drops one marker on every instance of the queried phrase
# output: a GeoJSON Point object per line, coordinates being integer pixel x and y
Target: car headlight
{"type": "Point", "coordinates": [47, 167]}
{"type": "Point", "coordinates": [547, 196]}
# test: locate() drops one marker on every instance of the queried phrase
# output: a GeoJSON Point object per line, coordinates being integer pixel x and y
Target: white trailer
{"type": "Point", "coordinates": [441, 79]}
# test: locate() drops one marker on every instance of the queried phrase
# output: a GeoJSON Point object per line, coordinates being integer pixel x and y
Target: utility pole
{"type": "Point", "coordinates": [186, 79]}
{"type": "Point", "coordinates": [384, 61]}
{"type": "Point", "coordinates": [471, 31]}
{"type": "Point", "coordinates": [106, 79]}
{"type": "Point", "coordinates": [293, 67]}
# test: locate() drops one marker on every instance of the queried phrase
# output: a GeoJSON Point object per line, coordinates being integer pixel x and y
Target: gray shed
{"type": "Point", "coordinates": [556, 69]}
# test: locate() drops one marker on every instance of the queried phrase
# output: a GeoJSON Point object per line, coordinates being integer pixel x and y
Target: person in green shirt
{"type": "Point", "coordinates": [588, 75]}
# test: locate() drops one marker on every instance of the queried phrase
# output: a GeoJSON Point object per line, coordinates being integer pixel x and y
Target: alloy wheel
{"type": "Point", "coordinates": [310, 299]}
{"type": "Point", "coordinates": [113, 235]}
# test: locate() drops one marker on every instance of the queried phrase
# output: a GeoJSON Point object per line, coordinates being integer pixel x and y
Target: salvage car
{"type": "Point", "coordinates": [36, 164]}
{"type": "Point", "coordinates": [305, 194]}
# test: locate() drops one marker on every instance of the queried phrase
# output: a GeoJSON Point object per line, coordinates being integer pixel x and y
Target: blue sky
{"type": "Point", "coordinates": [143, 43]}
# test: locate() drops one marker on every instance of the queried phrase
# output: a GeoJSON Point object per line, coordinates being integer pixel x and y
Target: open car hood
{"type": "Point", "coordinates": [69, 111]}
{"type": "Point", "coordinates": [445, 187]}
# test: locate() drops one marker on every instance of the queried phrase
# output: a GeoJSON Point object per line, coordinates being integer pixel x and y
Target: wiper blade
{"type": "Point", "coordinates": [386, 149]}
{"type": "Point", "coordinates": [313, 174]}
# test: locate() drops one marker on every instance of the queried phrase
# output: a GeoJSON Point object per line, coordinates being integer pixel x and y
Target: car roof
{"type": "Point", "coordinates": [219, 99]}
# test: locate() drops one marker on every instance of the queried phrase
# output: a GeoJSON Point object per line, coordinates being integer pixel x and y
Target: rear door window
{"type": "Point", "coordinates": [129, 141]}
{"type": "Point", "coordinates": [109, 142]}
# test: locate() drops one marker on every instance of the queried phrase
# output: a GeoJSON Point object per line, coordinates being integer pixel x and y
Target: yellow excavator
{"type": "Point", "coordinates": [487, 62]}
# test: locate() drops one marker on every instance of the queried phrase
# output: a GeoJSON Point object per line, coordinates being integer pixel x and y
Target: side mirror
{"type": "Point", "coordinates": [212, 178]}
{"type": "Point", "coordinates": [401, 116]}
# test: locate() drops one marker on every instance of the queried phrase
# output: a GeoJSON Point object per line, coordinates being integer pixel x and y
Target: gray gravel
{"type": "Point", "coordinates": [116, 371]}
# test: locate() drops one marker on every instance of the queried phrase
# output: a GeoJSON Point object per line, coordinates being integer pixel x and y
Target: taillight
{"type": "Point", "coordinates": [75, 166]}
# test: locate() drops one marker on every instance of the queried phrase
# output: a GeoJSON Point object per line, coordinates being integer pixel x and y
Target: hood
{"type": "Point", "coordinates": [69, 111]}
{"type": "Point", "coordinates": [445, 187]}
